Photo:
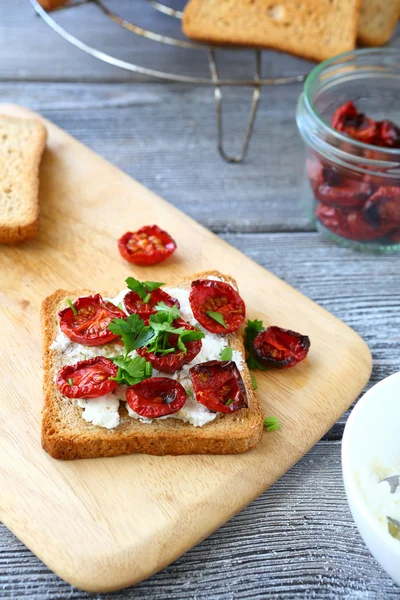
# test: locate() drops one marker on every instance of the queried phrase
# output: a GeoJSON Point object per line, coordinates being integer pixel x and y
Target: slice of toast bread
{"type": "Point", "coordinates": [65, 435]}
{"type": "Point", "coordinates": [52, 4]}
{"type": "Point", "coordinates": [378, 18]}
{"type": "Point", "coordinates": [22, 142]}
{"type": "Point", "coordinates": [316, 30]}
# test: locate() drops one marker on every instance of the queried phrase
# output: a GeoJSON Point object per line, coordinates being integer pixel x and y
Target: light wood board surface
{"type": "Point", "coordinates": [108, 523]}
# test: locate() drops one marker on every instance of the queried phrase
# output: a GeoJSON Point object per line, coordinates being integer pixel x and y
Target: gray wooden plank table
{"type": "Point", "coordinates": [298, 539]}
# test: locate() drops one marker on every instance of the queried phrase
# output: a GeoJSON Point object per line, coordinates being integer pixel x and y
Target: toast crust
{"type": "Point", "coordinates": [65, 435]}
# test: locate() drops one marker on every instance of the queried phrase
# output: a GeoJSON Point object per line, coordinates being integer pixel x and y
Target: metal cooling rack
{"type": "Point", "coordinates": [256, 82]}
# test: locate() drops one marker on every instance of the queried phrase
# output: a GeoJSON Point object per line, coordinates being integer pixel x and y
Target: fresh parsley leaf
{"type": "Point", "coordinates": [252, 329]}
{"type": "Point", "coordinates": [152, 285]}
{"type": "Point", "coordinates": [253, 381]}
{"type": "Point", "coordinates": [136, 286]}
{"type": "Point", "coordinates": [162, 321]}
{"type": "Point", "coordinates": [144, 337]}
{"type": "Point", "coordinates": [217, 317]}
{"type": "Point", "coordinates": [188, 335]}
{"type": "Point", "coordinates": [131, 370]}
{"type": "Point", "coordinates": [135, 334]}
{"type": "Point", "coordinates": [173, 311]}
{"type": "Point", "coordinates": [70, 381]}
{"type": "Point", "coordinates": [143, 289]}
{"type": "Point", "coordinates": [72, 307]}
{"type": "Point", "coordinates": [272, 423]}
{"type": "Point", "coordinates": [226, 353]}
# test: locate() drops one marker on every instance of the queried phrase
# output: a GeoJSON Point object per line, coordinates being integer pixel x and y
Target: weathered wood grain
{"type": "Point", "coordinates": [165, 137]}
{"type": "Point", "coordinates": [298, 540]}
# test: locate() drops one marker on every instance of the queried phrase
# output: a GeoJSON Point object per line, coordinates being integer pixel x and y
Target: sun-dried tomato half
{"type": "Point", "coordinates": [388, 134]}
{"type": "Point", "coordinates": [333, 219]}
{"type": "Point", "coordinates": [218, 298]}
{"type": "Point", "coordinates": [147, 246]}
{"type": "Point", "coordinates": [346, 119]}
{"type": "Point", "coordinates": [395, 236]}
{"type": "Point", "coordinates": [134, 304]}
{"type": "Point", "coordinates": [280, 348]}
{"type": "Point", "coordinates": [172, 362]}
{"type": "Point", "coordinates": [350, 224]}
{"type": "Point", "coordinates": [363, 230]}
{"type": "Point", "coordinates": [87, 378]}
{"type": "Point", "coordinates": [156, 397]}
{"type": "Point", "coordinates": [219, 386]}
{"type": "Point", "coordinates": [383, 208]}
{"type": "Point", "coordinates": [351, 194]}
{"type": "Point", "coordinates": [315, 172]}
{"type": "Point", "coordinates": [88, 323]}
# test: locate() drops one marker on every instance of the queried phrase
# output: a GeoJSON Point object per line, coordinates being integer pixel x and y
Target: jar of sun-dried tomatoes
{"type": "Point", "coordinates": [349, 118]}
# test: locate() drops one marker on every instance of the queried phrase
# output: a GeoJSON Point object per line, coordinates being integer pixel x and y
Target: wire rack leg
{"type": "Point", "coordinates": [253, 108]}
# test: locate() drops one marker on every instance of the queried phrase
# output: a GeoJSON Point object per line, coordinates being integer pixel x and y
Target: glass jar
{"type": "Point", "coordinates": [351, 189]}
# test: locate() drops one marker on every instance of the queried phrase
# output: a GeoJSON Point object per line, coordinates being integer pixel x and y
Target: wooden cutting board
{"type": "Point", "coordinates": [105, 524]}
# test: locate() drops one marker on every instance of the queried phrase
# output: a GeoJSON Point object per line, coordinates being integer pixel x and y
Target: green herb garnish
{"type": "Point", "coordinates": [217, 317]}
{"type": "Point", "coordinates": [226, 353]}
{"type": "Point", "coordinates": [252, 329]}
{"type": "Point", "coordinates": [70, 381]}
{"type": "Point", "coordinates": [142, 288]}
{"type": "Point", "coordinates": [229, 402]}
{"type": "Point", "coordinates": [156, 335]}
{"type": "Point", "coordinates": [161, 323]}
{"type": "Point", "coordinates": [131, 370]}
{"type": "Point", "coordinates": [72, 307]}
{"type": "Point", "coordinates": [253, 381]}
{"type": "Point", "coordinates": [272, 424]}
{"type": "Point", "coordinates": [173, 311]}
{"type": "Point", "coordinates": [135, 334]}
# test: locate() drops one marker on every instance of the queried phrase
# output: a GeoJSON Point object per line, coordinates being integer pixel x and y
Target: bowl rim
{"type": "Point", "coordinates": [337, 60]}
{"type": "Point", "coordinates": [351, 487]}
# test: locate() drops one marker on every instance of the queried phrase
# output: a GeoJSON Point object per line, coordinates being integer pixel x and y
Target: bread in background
{"type": "Point", "coordinates": [22, 142]}
{"type": "Point", "coordinates": [51, 4]}
{"type": "Point", "coordinates": [378, 18]}
{"type": "Point", "coordinates": [316, 29]}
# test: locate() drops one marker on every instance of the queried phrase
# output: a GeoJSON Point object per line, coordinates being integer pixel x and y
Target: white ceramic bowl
{"type": "Point", "coordinates": [371, 436]}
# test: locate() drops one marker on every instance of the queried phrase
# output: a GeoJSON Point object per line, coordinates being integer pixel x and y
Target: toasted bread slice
{"type": "Point", "coordinates": [22, 142]}
{"type": "Point", "coordinates": [65, 435]}
{"type": "Point", "coordinates": [316, 30]}
{"type": "Point", "coordinates": [378, 18]}
{"type": "Point", "coordinates": [52, 4]}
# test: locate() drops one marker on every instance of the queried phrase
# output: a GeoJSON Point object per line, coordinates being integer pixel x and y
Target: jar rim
{"type": "Point", "coordinates": [337, 60]}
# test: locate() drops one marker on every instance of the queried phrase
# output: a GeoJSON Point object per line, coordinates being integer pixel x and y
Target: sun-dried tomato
{"type": "Point", "coordinates": [219, 386]}
{"type": "Point", "coordinates": [280, 348]}
{"type": "Point", "coordinates": [351, 194]}
{"type": "Point", "coordinates": [395, 236]}
{"type": "Point", "coordinates": [388, 134]}
{"type": "Point", "coordinates": [350, 224]}
{"type": "Point", "coordinates": [383, 208]}
{"type": "Point", "coordinates": [333, 219]}
{"type": "Point", "coordinates": [346, 119]}
{"type": "Point", "coordinates": [363, 230]}
{"type": "Point", "coordinates": [315, 172]}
